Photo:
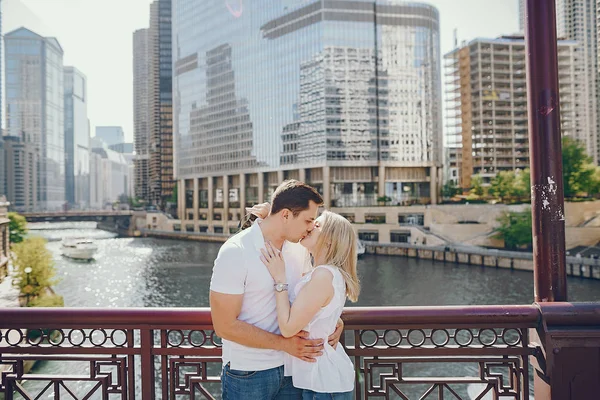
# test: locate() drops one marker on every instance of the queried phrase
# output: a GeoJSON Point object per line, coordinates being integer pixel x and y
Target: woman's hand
{"type": "Point", "coordinates": [260, 210]}
{"type": "Point", "coordinates": [273, 260]}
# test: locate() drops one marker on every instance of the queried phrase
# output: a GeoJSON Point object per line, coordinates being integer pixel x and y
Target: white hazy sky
{"type": "Point", "coordinates": [96, 36]}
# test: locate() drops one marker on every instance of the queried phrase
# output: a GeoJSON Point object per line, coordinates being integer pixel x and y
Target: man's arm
{"type": "Point", "coordinates": [225, 309]}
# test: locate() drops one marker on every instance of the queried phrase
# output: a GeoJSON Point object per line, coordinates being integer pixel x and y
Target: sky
{"type": "Point", "coordinates": [97, 38]}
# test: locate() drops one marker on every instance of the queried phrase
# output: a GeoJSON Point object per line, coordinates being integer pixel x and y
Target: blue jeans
{"type": "Point", "coordinates": [269, 384]}
{"type": "Point", "coordinates": [310, 395]}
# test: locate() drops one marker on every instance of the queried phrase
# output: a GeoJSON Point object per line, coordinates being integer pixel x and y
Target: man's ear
{"type": "Point", "coordinates": [285, 214]}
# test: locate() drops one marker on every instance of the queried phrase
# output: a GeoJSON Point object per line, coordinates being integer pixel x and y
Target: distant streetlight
{"type": "Point", "coordinates": [28, 271]}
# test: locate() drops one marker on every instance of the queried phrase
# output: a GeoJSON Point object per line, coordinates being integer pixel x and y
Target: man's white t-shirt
{"type": "Point", "coordinates": [239, 270]}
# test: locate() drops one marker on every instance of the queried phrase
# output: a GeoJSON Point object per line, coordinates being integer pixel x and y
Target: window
{"type": "Point", "coordinates": [411, 219]}
{"type": "Point", "coordinates": [375, 218]}
{"type": "Point", "coordinates": [368, 236]}
{"type": "Point", "coordinates": [218, 229]}
{"type": "Point", "coordinates": [189, 228]}
{"type": "Point", "coordinates": [400, 237]}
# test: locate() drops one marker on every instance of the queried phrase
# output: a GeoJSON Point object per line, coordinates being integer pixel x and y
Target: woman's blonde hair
{"type": "Point", "coordinates": [337, 245]}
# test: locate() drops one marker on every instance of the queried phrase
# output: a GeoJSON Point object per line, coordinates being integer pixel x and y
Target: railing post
{"type": "Point", "coordinates": [147, 363]}
{"type": "Point", "coordinates": [547, 198]}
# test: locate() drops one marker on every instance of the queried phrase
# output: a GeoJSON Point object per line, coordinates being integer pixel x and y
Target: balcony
{"type": "Point", "coordinates": [174, 353]}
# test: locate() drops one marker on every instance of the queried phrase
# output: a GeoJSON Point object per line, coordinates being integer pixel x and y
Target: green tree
{"type": "Point", "coordinates": [477, 185]}
{"type": "Point", "coordinates": [134, 202]}
{"type": "Point", "coordinates": [522, 188]}
{"type": "Point", "coordinates": [515, 229]}
{"type": "Point", "coordinates": [502, 186]}
{"type": "Point", "coordinates": [450, 189]}
{"type": "Point", "coordinates": [34, 267]}
{"type": "Point", "coordinates": [17, 227]}
{"type": "Point", "coordinates": [578, 175]}
{"type": "Point", "coordinates": [174, 195]}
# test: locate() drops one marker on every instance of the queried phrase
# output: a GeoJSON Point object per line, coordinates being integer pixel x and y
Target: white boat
{"type": "Point", "coordinates": [79, 248]}
{"type": "Point", "coordinates": [360, 248]}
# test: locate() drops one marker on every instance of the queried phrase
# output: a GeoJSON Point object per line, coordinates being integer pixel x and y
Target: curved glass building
{"type": "Point", "coordinates": [345, 95]}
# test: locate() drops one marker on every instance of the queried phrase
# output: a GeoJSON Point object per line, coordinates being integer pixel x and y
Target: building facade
{"type": "Point", "coordinates": [141, 114]}
{"type": "Point", "coordinates": [35, 108]}
{"type": "Point", "coordinates": [2, 166]}
{"type": "Point", "coordinates": [125, 148]}
{"type": "Point", "coordinates": [112, 174]}
{"type": "Point", "coordinates": [487, 129]}
{"type": "Point", "coordinates": [577, 20]}
{"type": "Point", "coordinates": [96, 182]}
{"type": "Point", "coordinates": [77, 139]}
{"type": "Point", "coordinates": [22, 160]}
{"type": "Point", "coordinates": [4, 237]}
{"type": "Point", "coordinates": [111, 135]}
{"type": "Point", "coordinates": [160, 168]}
{"type": "Point", "coordinates": [344, 95]}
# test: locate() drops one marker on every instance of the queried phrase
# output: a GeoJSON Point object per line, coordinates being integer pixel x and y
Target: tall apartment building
{"type": "Point", "coordinates": [21, 159]}
{"type": "Point", "coordinates": [2, 165]}
{"type": "Point", "coordinates": [153, 106]}
{"type": "Point", "coordinates": [579, 20]}
{"type": "Point", "coordinates": [161, 112]}
{"type": "Point", "coordinates": [1, 78]}
{"type": "Point", "coordinates": [344, 95]}
{"type": "Point", "coordinates": [77, 139]}
{"type": "Point", "coordinates": [35, 108]}
{"type": "Point", "coordinates": [487, 106]}
{"type": "Point", "coordinates": [141, 117]}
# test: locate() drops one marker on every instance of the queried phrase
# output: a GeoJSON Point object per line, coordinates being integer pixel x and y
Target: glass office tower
{"type": "Point", "coordinates": [345, 95]}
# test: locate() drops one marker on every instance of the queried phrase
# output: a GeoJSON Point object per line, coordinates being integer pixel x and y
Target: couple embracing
{"type": "Point", "coordinates": [277, 293]}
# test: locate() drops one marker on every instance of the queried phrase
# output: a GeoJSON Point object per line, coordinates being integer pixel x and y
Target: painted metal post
{"type": "Point", "coordinates": [547, 199]}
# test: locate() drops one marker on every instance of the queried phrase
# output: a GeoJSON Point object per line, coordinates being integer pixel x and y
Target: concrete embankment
{"type": "Point", "coordinates": [471, 255]}
{"type": "Point", "coordinates": [201, 237]}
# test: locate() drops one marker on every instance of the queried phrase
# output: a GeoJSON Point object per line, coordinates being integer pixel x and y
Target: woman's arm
{"type": "Point", "coordinates": [315, 294]}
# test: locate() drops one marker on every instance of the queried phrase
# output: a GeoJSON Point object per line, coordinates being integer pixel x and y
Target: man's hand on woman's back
{"type": "Point", "coordinates": [303, 348]}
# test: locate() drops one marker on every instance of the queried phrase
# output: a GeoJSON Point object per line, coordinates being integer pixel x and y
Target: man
{"type": "Point", "coordinates": [243, 304]}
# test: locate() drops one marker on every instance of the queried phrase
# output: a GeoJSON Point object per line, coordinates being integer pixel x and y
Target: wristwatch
{"type": "Point", "coordinates": [280, 287]}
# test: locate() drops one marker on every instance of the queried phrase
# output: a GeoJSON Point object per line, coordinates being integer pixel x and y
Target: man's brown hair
{"type": "Point", "coordinates": [295, 196]}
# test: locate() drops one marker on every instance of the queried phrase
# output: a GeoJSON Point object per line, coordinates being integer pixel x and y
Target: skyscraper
{"type": "Point", "coordinates": [579, 20]}
{"type": "Point", "coordinates": [77, 139]}
{"type": "Point", "coordinates": [576, 20]}
{"type": "Point", "coordinates": [2, 166]}
{"type": "Point", "coordinates": [1, 77]}
{"type": "Point", "coordinates": [522, 16]}
{"type": "Point", "coordinates": [22, 160]}
{"type": "Point", "coordinates": [160, 106]}
{"type": "Point", "coordinates": [35, 108]}
{"type": "Point", "coordinates": [487, 106]}
{"type": "Point", "coordinates": [141, 126]}
{"type": "Point", "coordinates": [344, 95]}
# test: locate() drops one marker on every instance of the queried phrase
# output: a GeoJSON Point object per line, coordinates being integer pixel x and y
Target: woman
{"type": "Point", "coordinates": [317, 303]}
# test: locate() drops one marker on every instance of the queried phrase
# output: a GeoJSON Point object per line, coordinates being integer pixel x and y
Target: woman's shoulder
{"type": "Point", "coordinates": [326, 272]}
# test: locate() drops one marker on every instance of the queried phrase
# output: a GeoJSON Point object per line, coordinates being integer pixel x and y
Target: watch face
{"type": "Point", "coordinates": [280, 287]}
